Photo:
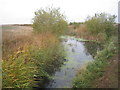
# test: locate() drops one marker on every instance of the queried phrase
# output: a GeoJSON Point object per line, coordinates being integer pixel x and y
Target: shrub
{"type": "Point", "coordinates": [101, 23]}
{"type": "Point", "coordinates": [49, 20]}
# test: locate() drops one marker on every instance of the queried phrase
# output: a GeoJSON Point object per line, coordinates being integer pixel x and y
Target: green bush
{"type": "Point", "coordinates": [101, 23]}
{"type": "Point", "coordinates": [49, 20]}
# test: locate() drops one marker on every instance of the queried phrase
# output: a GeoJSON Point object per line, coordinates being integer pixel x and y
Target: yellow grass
{"type": "Point", "coordinates": [22, 53]}
{"type": "Point", "coordinates": [83, 32]}
{"type": "Point", "coordinates": [14, 39]}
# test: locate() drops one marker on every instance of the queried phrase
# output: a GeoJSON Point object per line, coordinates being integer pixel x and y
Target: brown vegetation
{"type": "Point", "coordinates": [82, 32]}
{"type": "Point", "coordinates": [110, 77]}
{"type": "Point", "coordinates": [14, 39]}
{"type": "Point", "coordinates": [25, 54]}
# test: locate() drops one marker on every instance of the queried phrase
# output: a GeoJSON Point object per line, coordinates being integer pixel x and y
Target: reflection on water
{"type": "Point", "coordinates": [77, 54]}
{"type": "Point", "coordinates": [92, 48]}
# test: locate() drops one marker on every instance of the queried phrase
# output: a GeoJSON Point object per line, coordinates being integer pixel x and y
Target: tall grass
{"type": "Point", "coordinates": [18, 69]}
{"type": "Point", "coordinates": [25, 56]}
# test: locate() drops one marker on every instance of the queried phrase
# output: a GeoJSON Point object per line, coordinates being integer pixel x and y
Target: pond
{"type": "Point", "coordinates": [77, 54]}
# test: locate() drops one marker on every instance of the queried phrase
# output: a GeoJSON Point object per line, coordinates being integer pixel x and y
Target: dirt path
{"type": "Point", "coordinates": [110, 77]}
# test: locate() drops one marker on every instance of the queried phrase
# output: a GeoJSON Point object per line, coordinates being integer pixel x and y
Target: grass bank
{"type": "Point", "coordinates": [99, 28]}
{"type": "Point", "coordinates": [28, 56]}
{"type": "Point", "coordinates": [95, 69]}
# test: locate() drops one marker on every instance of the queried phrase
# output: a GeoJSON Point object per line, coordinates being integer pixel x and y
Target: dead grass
{"type": "Point", "coordinates": [13, 39]}
{"type": "Point", "coordinates": [82, 32]}
{"type": "Point", "coordinates": [18, 38]}
{"type": "Point", "coordinates": [23, 55]}
{"type": "Point", "coordinates": [45, 39]}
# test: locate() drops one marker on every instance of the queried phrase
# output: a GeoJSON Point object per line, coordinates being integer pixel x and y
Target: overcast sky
{"type": "Point", "coordinates": [22, 11]}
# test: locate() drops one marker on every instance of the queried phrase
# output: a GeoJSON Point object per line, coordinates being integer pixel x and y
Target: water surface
{"type": "Point", "coordinates": [77, 54]}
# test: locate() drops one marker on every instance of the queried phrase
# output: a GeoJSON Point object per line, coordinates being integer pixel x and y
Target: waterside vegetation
{"type": "Point", "coordinates": [101, 27]}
